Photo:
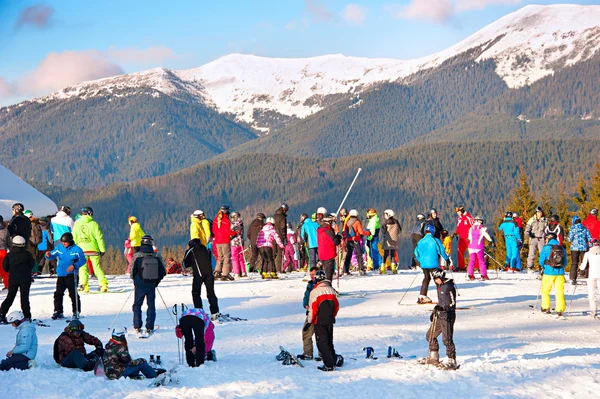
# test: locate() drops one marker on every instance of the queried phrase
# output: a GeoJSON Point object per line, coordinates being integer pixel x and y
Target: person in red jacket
{"type": "Point", "coordinates": [463, 225]}
{"type": "Point", "coordinates": [327, 241]}
{"type": "Point", "coordinates": [353, 233]}
{"type": "Point", "coordinates": [519, 221]}
{"type": "Point", "coordinates": [222, 230]}
{"type": "Point", "coordinates": [592, 223]}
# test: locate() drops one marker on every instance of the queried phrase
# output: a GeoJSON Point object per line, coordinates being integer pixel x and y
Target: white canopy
{"type": "Point", "coordinates": [13, 189]}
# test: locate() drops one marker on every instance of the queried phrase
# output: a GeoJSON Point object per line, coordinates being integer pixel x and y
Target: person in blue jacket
{"type": "Point", "coordinates": [512, 241]}
{"type": "Point", "coordinates": [428, 252]}
{"type": "Point", "coordinates": [70, 259]}
{"type": "Point", "coordinates": [553, 260]}
{"type": "Point", "coordinates": [308, 234]}
{"type": "Point", "coordinates": [26, 346]}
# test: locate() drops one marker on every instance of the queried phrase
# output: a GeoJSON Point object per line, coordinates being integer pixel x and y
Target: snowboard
{"type": "Point", "coordinates": [287, 354]}
{"type": "Point", "coordinates": [226, 318]}
{"type": "Point", "coordinates": [165, 378]}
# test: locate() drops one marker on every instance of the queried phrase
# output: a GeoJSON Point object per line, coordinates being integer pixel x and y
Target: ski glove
{"type": "Point", "coordinates": [178, 332]}
{"type": "Point", "coordinates": [531, 235]}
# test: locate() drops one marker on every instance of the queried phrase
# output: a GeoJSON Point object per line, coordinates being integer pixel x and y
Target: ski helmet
{"type": "Point", "coordinates": [344, 212]}
{"type": "Point", "coordinates": [508, 215]}
{"type": "Point", "coordinates": [193, 242]}
{"type": "Point", "coordinates": [420, 216]}
{"type": "Point", "coordinates": [65, 209]}
{"type": "Point", "coordinates": [515, 214]}
{"type": "Point", "coordinates": [429, 229]}
{"type": "Point", "coordinates": [371, 212]}
{"type": "Point", "coordinates": [389, 213]}
{"type": "Point", "coordinates": [479, 218]}
{"type": "Point", "coordinates": [270, 220]}
{"type": "Point", "coordinates": [66, 237]}
{"type": "Point", "coordinates": [18, 241]}
{"type": "Point", "coordinates": [75, 326]}
{"type": "Point", "coordinates": [16, 317]}
{"type": "Point", "coordinates": [86, 210]}
{"type": "Point", "coordinates": [320, 275]}
{"type": "Point", "coordinates": [432, 211]}
{"type": "Point", "coordinates": [260, 216]}
{"type": "Point", "coordinates": [438, 273]}
{"type": "Point", "coordinates": [285, 207]}
{"type": "Point", "coordinates": [459, 208]}
{"type": "Point", "coordinates": [313, 217]}
{"type": "Point", "coordinates": [28, 214]}
{"type": "Point", "coordinates": [353, 212]}
{"type": "Point", "coordinates": [18, 207]}
{"type": "Point", "coordinates": [147, 240]}
{"type": "Point", "coordinates": [594, 211]}
{"type": "Point", "coordinates": [303, 217]}
{"type": "Point", "coordinates": [321, 210]}
{"type": "Point", "coordinates": [132, 219]}
{"type": "Point", "coordinates": [555, 218]}
{"type": "Point", "coordinates": [197, 213]}
{"type": "Point", "coordinates": [539, 209]}
{"type": "Point", "coordinates": [119, 333]}
{"type": "Point", "coordinates": [225, 209]}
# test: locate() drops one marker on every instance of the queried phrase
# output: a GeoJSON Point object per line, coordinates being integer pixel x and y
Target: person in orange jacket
{"type": "Point", "coordinates": [352, 233]}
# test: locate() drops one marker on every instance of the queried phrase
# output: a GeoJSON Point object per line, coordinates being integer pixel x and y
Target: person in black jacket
{"type": "Point", "coordinates": [18, 264]}
{"type": "Point", "coordinates": [435, 222]}
{"type": "Point", "coordinates": [255, 228]}
{"type": "Point", "coordinates": [281, 230]}
{"type": "Point", "coordinates": [19, 225]}
{"type": "Point", "coordinates": [442, 320]}
{"type": "Point", "coordinates": [197, 258]}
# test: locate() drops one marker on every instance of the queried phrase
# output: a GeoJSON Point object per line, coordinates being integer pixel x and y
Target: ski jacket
{"type": "Point", "coordinates": [46, 240]}
{"type": "Point", "coordinates": [280, 225]}
{"type": "Point", "coordinates": [199, 313]}
{"type": "Point", "coordinates": [447, 300]}
{"type": "Point", "coordinates": [545, 254]}
{"type": "Point", "coordinates": [61, 224]}
{"type": "Point", "coordinates": [88, 236]}
{"type": "Point", "coordinates": [291, 237]}
{"type": "Point", "coordinates": [536, 227]}
{"type": "Point", "coordinates": [390, 233]}
{"type": "Point", "coordinates": [198, 259]}
{"type": "Point", "coordinates": [68, 343]}
{"type": "Point", "coordinates": [116, 358]}
{"type": "Point", "coordinates": [255, 228]}
{"type": "Point", "coordinates": [323, 304]}
{"type": "Point", "coordinates": [328, 241]}
{"type": "Point", "coordinates": [5, 242]}
{"type": "Point", "coordinates": [591, 259]}
{"type": "Point", "coordinates": [353, 230]}
{"type": "Point", "coordinates": [200, 229]}
{"type": "Point", "coordinates": [19, 225]}
{"type": "Point", "coordinates": [428, 251]}
{"type": "Point", "coordinates": [237, 227]}
{"type": "Point", "coordinates": [464, 224]}
{"type": "Point", "coordinates": [19, 264]}
{"type": "Point", "coordinates": [477, 236]}
{"type": "Point", "coordinates": [309, 233]}
{"type": "Point", "coordinates": [72, 255]}
{"type": "Point", "coordinates": [136, 269]}
{"type": "Point", "coordinates": [267, 235]}
{"type": "Point", "coordinates": [580, 237]}
{"type": "Point", "coordinates": [27, 342]}
{"type": "Point", "coordinates": [135, 235]}
{"type": "Point", "coordinates": [309, 288]}
{"type": "Point", "coordinates": [222, 229]}
{"type": "Point", "coordinates": [557, 229]}
{"type": "Point", "coordinates": [373, 225]}
{"type": "Point", "coordinates": [418, 228]}
{"type": "Point", "coordinates": [437, 225]}
{"type": "Point", "coordinates": [510, 230]}
{"type": "Point", "coordinates": [519, 222]}
{"type": "Point", "coordinates": [593, 225]}
{"type": "Point", "coordinates": [447, 243]}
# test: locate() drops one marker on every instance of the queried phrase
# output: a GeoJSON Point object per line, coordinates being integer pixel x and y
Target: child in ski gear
{"type": "Point", "coordinates": [88, 236]}
{"type": "Point", "coordinates": [591, 261]}
{"type": "Point", "coordinates": [536, 226]}
{"type": "Point", "coordinates": [26, 344]}
{"type": "Point", "coordinates": [290, 251]}
{"type": "Point", "coordinates": [323, 307]}
{"type": "Point", "coordinates": [264, 241]}
{"type": "Point", "coordinates": [463, 225]}
{"type": "Point", "coordinates": [147, 271]}
{"type": "Point", "coordinates": [353, 233]}
{"type": "Point", "coordinates": [428, 251]}
{"type": "Point", "coordinates": [416, 233]}
{"type": "Point", "coordinates": [512, 241]}
{"type": "Point", "coordinates": [477, 236]}
{"type": "Point", "coordinates": [18, 264]}
{"type": "Point", "coordinates": [434, 221]}
{"type": "Point", "coordinates": [555, 227]}
{"type": "Point", "coordinates": [592, 223]}
{"type": "Point", "coordinates": [280, 226]}
{"type": "Point", "coordinates": [309, 234]}
{"type": "Point", "coordinates": [135, 234]}
{"type": "Point", "coordinates": [199, 336]}
{"type": "Point", "coordinates": [255, 228]}
{"type": "Point", "coordinates": [128, 254]}
{"type": "Point", "coordinates": [200, 227]}
{"type": "Point", "coordinates": [308, 329]}
{"type": "Point", "coordinates": [328, 242]}
{"type": "Point", "coordinates": [580, 239]}
{"type": "Point", "coordinates": [442, 320]}
{"type": "Point", "coordinates": [237, 245]}
{"type": "Point", "coordinates": [447, 243]}
{"type": "Point", "coordinates": [197, 258]}
{"type": "Point", "coordinates": [390, 232]}
{"type": "Point", "coordinates": [222, 230]}
{"type": "Point", "coordinates": [373, 226]}
{"type": "Point", "coordinates": [118, 362]}
{"type": "Point", "coordinates": [69, 348]}
{"type": "Point", "coordinates": [5, 244]}
{"type": "Point", "coordinates": [553, 260]}
{"type": "Point", "coordinates": [70, 259]}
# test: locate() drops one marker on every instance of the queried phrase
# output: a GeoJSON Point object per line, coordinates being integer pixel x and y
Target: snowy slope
{"type": "Point", "coordinates": [505, 350]}
{"type": "Point", "coordinates": [16, 190]}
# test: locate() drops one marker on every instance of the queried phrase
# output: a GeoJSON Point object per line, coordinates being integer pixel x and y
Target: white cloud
{"type": "Point", "coordinates": [354, 14]}
{"type": "Point", "coordinates": [434, 10]}
{"type": "Point", "coordinates": [318, 11]}
{"type": "Point", "coordinates": [467, 5]}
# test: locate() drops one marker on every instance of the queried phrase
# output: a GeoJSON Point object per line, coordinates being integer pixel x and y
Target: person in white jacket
{"type": "Point", "coordinates": [26, 346]}
{"type": "Point", "coordinates": [591, 259]}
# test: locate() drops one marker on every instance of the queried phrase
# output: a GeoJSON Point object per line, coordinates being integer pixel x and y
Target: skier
{"type": "Point", "coordinates": [519, 221]}
{"type": "Point", "coordinates": [535, 231]}
{"type": "Point", "coordinates": [553, 260]}
{"type": "Point", "coordinates": [373, 226]}
{"type": "Point", "coordinates": [309, 234]}
{"type": "Point", "coordinates": [69, 348]}
{"type": "Point", "coordinates": [580, 239]}
{"type": "Point", "coordinates": [34, 239]}
{"type": "Point", "coordinates": [555, 227]}
{"type": "Point", "coordinates": [222, 230]}
{"type": "Point", "coordinates": [199, 336]}
{"type": "Point", "coordinates": [197, 258]}
{"type": "Point", "coordinates": [477, 235]}
{"type": "Point", "coordinates": [147, 271]}
{"type": "Point", "coordinates": [18, 264]}
{"type": "Point", "coordinates": [447, 243]}
{"type": "Point", "coordinates": [353, 232]}
{"type": "Point", "coordinates": [5, 244]}
{"type": "Point", "coordinates": [323, 307]}
{"type": "Point", "coordinates": [321, 212]}
{"type": "Point", "coordinates": [512, 241]}
{"type": "Point", "coordinates": [26, 345]}
{"type": "Point", "coordinates": [70, 259]}
{"type": "Point", "coordinates": [118, 362]}
{"type": "Point", "coordinates": [135, 234]}
{"type": "Point", "coordinates": [428, 251]}
{"type": "Point", "coordinates": [44, 246]}
{"type": "Point", "coordinates": [19, 224]}
{"type": "Point", "coordinates": [290, 251]}
{"type": "Point", "coordinates": [390, 233]}
{"type": "Point", "coordinates": [463, 225]}
{"type": "Point", "coordinates": [264, 241]}
{"type": "Point", "coordinates": [280, 225]}
{"type": "Point", "coordinates": [61, 223]}
{"type": "Point", "coordinates": [328, 241]}
{"type": "Point", "coordinates": [416, 233]}
{"type": "Point", "coordinates": [303, 258]}
{"type": "Point", "coordinates": [237, 245]}
{"type": "Point", "coordinates": [591, 263]}
{"type": "Point", "coordinates": [592, 223]}
{"type": "Point", "coordinates": [442, 320]}
{"type": "Point", "coordinates": [200, 227]}
{"type": "Point", "coordinates": [255, 228]}
{"type": "Point", "coordinates": [88, 236]}
{"type": "Point", "coordinates": [434, 221]}
{"type": "Point", "coordinates": [308, 328]}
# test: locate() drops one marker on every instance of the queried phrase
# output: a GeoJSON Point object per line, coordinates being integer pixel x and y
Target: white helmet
{"type": "Point", "coordinates": [17, 315]}
{"type": "Point", "coordinates": [18, 240]}
{"type": "Point", "coordinates": [197, 213]}
{"type": "Point", "coordinates": [353, 212]}
{"type": "Point", "coordinates": [389, 212]}
{"type": "Point", "coordinates": [270, 220]}
{"type": "Point", "coordinates": [119, 332]}
{"type": "Point", "coordinates": [321, 210]}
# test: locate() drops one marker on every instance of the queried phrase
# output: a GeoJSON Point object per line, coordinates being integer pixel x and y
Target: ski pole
{"type": "Point", "coordinates": [178, 346]}
{"type": "Point", "coordinates": [409, 287]}
{"type": "Point", "coordinates": [572, 296]}
{"type": "Point", "coordinates": [166, 307]}
{"type": "Point", "coordinates": [495, 261]}
{"type": "Point", "coordinates": [348, 192]}
{"type": "Point", "coordinates": [75, 275]}
{"type": "Point", "coordinates": [121, 310]}
{"type": "Point", "coordinates": [538, 296]}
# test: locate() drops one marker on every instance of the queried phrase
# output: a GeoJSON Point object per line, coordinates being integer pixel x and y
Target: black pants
{"type": "Point", "coordinates": [353, 247]}
{"type": "Point", "coordinates": [302, 259]}
{"type": "Point", "coordinates": [77, 360]}
{"type": "Point", "coordinates": [62, 284]}
{"type": "Point", "coordinates": [576, 259]}
{"type": "Point", "coordinates": [254, 259]}
{"type": "Point", "coordinates": [415, 240]}
{"type": "Point", "coordinates": [278, 256]}
{"type": "Point", "coordinates": [209, 282]}
{"type": "Point", "coordinates": [324, 335]}
{"type": "Point", "coordinates": [328, 266]}
{"type": "Point", "coordinates": [192, 329]}
{"type": "Point", "coordinates": [10, 298]}
{"type": "Point", "coordinates": [426, 281]}
{"type": "Point", "coordinates": [16, 361]}
{"type": "Point", "coordinates": [440, 325]}
{"type": "Point", "coordinates": [389, 253]}
{"type": "Point", "coordinates": [266, 253]}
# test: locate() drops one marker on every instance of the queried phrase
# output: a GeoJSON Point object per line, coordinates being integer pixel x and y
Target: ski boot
{"type": "Point", "coordinates": [152, 362]}
{"type": "Point", "coordinates": [423, 299]}
{"type": "Point", "coordinates": [3, 319]}
{"type": "Point", "coordinates": [211, 356]}
{"type": "Point", "coordinates": [102, 289]}
{"type": "Point", "coordinates": [217, 275]}
{"type": "Point", "coordinates": [85, 288]}
{"type": "Point", "coordinates": [450, 365]}
{"type": "Point", "coordinates": [265, 276]}
{"type": "Point", "coordinates": [546, 311]}
{"type": "Point", "coordinates": [58, 315]}
{"type": "Point", "coordinates": [471, 277]}
{"type": "Point", "coordinates": [304, 357]}
{"type": "Point", "coordinates": [394, 268]}
{"type": "Point", "coordinates": [382, 270]}
{"type": "Point", "coordinates": [274, 275]}
{"type": "Point", "coordinates": [434, 358]}
{"type": "Point", "coordinates": [485, 278]}
{"type": "Point", "coordinates": [339, 361]}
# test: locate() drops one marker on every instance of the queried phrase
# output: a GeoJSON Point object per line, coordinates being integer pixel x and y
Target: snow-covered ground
{"type": "Point", "coordinates": [505, 350]}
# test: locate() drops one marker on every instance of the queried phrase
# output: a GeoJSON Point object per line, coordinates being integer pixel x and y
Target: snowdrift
{"type": "Point", "coordinates": [13, 189]}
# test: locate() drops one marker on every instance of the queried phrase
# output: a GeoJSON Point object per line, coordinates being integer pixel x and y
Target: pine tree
{"type": "Point", "coordinates": [594, 192]}
{"type": "Point", "coordinates": [562, 206]}
{"type": "Point", "coordinates": [522, 199]}
{"type": "Point", "coordinates": [546, 203]}
{"type": "Point", "coordinates": [581, 197]}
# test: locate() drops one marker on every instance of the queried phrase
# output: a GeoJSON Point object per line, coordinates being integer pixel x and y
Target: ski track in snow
{"type": "Point", "coordinates": [505, 350]}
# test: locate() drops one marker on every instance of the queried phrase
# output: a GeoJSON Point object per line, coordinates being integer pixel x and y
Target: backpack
{"type": "Point", "coordinates": [36, 234]}
{"type": "Point", "coordinates": [149, 267]}
{"type": "Point", "coordinates": [556, 257]}
{"type": "Point", "coordinates": [55, 349]}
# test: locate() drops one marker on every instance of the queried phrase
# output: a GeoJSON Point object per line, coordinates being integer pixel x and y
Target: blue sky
{"type": "Point", "coordinates": [45, 46]}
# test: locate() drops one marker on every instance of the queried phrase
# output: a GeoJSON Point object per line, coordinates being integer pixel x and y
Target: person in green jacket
{"type": "Point", "coordinates": [89, 238]}
{"type": "Point", "coordinates": [373, 240]}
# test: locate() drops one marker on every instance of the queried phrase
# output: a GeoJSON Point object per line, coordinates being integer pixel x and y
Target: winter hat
{"type": "Point", "coordinates": [594, 211]}
{"type": "Point", "coordinates": [429, 229]}
{"type": "Point", "coordinates": [197, 213]}
{"type": "Point", "coordinates": [270, 220]}
{"type": "Point", "coordinates": [28, 213]}
{"type": "Point", "coordinates": [595, 242]}
{"type": "Point", "coordinates": [18, 241]}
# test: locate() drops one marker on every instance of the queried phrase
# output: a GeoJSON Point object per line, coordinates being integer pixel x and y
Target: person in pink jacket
{"type": "Point", "coordinates": [128, 252]}
{"type": "Point", "coordinates": [198, 332]}
{"type": "Point", "coordinates": [477, 236]}
{"type": "Point", "coordinates": [264, 242]}
{"type": "Point", "coordinates": [237, 245]}
{"type": "Point", "coordinates": [291, 263]}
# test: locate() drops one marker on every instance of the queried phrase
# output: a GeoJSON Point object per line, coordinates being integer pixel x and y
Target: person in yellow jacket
{"type": "Point", "coordinates": [135, 234]}
{"type": "Point", "coordinates": [88, 236]}
{"type": "Point", "coordinates": [200, 228]}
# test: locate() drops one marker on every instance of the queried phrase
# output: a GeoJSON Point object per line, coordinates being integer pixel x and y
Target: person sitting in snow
{"type": "Point", "coordinates": [118, 362]}
{"type": "Point", "coordinates": [26, 346]}
{"type": "Point", "coordinates": [69, 348]}
{"type": "Point", "coordinates": [199, 335]}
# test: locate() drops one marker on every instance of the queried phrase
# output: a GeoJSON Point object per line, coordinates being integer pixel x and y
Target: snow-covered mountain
{"type": "Point", "coordinates": [526, 45]}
